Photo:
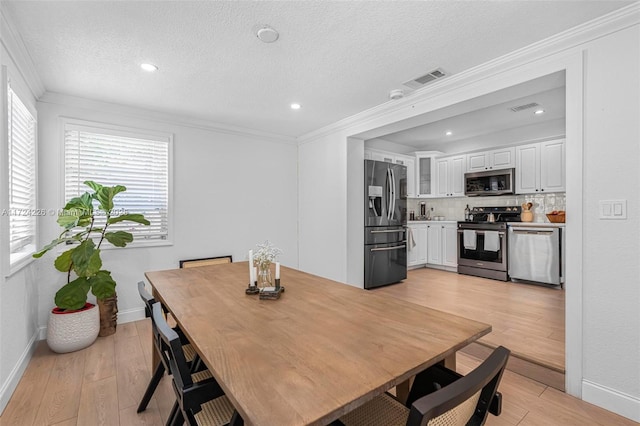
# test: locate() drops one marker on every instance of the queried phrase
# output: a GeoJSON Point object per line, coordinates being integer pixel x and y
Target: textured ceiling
{"type": "Point", "coordinates": [335, 58]}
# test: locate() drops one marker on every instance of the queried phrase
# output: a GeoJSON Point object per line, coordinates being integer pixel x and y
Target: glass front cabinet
{"type": "Point", "coordinates": [425, 173]}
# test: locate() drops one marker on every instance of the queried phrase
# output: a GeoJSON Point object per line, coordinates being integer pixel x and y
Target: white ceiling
{"type": "Point", "coordinates": [335, 58]}
{"type": "Point", "coordinates": [486, 115]}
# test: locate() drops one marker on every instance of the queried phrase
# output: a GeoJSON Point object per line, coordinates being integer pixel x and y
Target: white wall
{"type": "Point", "coordinates": [323, 208]}
{"type": "Point", "coordinates": [18, 292]}
{"type": "Point", "coordinates": [231, 191]}
{"type": "Point", "coordinates": [602, 156]}
{"type": "Point", "coordinates": [611, 289]}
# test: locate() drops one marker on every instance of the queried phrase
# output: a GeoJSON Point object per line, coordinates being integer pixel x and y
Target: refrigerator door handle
{"type": "Point", "coordinates": [393, 193]}
{"type": "Point", "coordinates": [389, 248]}
{"type": "Point", "coordinates": [389, 191]}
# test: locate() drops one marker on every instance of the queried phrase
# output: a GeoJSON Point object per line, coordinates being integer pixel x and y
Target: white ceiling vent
{"type": "Point", "coordinates": [418, 82]}
{"type": "Point", "coordinates": [523, 107]}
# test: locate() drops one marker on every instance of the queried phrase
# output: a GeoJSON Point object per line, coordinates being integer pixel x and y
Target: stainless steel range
{"type": "Point", "coordinates": [482, 242]}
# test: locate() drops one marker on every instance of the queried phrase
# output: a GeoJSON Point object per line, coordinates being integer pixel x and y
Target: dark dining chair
{"type": "Point", "coordinates": [206, 261]}
{"type": "Point", "coordinates": [439, 397]}
{"type": "Point", "coordinates": [199, 398]}
{"type": "Point", "coordinates": [190, 354]}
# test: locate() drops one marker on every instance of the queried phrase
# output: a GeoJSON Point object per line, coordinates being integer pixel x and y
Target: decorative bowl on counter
{"type": "Point", "coordinates": [556, 216]}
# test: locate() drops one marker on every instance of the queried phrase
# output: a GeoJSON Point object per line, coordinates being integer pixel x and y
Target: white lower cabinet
{"type": "Point", "coordinates": [450, 245]}
{"type": "Point", "coordinates": [417, 254]}
{"type": "Point", "coordinates": [435, 244]}
{"type": "Point", "coordinates": [442, 249]}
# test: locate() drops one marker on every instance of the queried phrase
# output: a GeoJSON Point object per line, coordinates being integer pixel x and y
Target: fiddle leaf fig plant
{"type": "Point", "coordinates": [82, 263]}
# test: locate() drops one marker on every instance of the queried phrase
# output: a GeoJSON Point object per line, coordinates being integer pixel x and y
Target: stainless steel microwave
{"type": "Point", "coordinates": [491, 182]}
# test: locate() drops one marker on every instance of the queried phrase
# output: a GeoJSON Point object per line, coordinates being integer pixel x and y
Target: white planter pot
{"type": "Point", "coordinates": [68, 332]}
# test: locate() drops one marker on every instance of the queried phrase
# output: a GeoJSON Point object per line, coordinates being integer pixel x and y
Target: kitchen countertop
{"type": "Point", "coordinates": [537, 224]}
{"type": "Point", "coordinates": [432, 221]}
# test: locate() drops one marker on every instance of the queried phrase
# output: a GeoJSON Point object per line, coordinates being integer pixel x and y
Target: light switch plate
{"type": "Point", "coordinates": [613, 209]}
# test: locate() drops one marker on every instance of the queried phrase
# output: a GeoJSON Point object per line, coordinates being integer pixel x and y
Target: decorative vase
{"type": "Point", "coordinates": [69, 331]}
{"type": "Point", "coordinates": [108, 315]}
{"type": "Point", "coordinates": [264, 275]}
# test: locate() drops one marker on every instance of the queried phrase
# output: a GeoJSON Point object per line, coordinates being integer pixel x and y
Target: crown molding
{"type": "Point", "coordinates": [160, 117]}
{"type": "Point", "coordinates": [612, 22]}
{"type": "Point", "coordinates": [12, 42]}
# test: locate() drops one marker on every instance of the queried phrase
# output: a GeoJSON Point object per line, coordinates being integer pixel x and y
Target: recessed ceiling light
{"type": "Point", "coordinates": [449, 133]}
{"type": "Point", "coordinates": [149, 67]}
{"type": "Point", "coordinates": [539, 111]}
{"type": "Point", "coordinates": [296, 106]}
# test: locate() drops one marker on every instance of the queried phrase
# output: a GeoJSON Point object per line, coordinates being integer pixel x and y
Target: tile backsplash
{"type": "Point", "coordinates": [453, 208]}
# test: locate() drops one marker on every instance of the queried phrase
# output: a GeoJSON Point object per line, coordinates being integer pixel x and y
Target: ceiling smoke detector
{"type": "Point", "coordinates": [267, 34]}
{"type": "Point", "coordinates": [396, 94]}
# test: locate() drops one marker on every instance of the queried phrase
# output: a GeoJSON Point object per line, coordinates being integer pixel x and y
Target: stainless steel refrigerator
{"type": "Point", "coordinates": [385, 219]}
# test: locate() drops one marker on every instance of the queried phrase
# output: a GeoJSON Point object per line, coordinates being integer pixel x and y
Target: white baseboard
{"type": "Point", "coordinates": [9, 386]}
{"type": "Point", "coordinates": [130, 315]}
{"type": "Point", "coordinates": [626, 405]}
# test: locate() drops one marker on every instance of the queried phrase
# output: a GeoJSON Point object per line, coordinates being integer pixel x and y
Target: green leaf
{"type": "Point", "coordinates": [48, 247]}
{"type": "Point", "coordinates": [105, 194]}
{"type": "Point", "coordinates": [69, 219]}
{"type": "Point", "coordinates": [132, 217]}
{"type": "Point", "coordinates": [86, 259]}
{"type": "Point", "coordinates": [102, 285]}
{"type": "Point", "coordinates": [119, 238]}
{"type": "Point", "coordinates": [63, 262]}
{"type": "Point", "coordinates": [91, 184]}
{"type": "Point", "coordinates": [74, 294]}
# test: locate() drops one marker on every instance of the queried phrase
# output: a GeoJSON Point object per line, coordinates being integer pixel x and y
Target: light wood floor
{"type": "Point", "coordinates": [103, 384]}
{"type": "Point", "coordinates": [528, 319]}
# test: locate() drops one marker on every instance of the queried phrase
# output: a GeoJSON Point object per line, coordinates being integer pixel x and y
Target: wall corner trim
{"type": "Point", "coordinates": [610, 399]}
{"type": "Point", "coordinates": [12, 41]}
{"type": "Point", "coordinates": [9, 386]}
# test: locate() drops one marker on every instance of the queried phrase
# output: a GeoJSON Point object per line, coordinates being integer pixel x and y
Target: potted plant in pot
{"type": "Point", "coordinates": [85, 228]}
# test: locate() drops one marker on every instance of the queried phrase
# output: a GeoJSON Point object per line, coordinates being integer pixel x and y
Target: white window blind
{"type": "Point", "coordinates": [110, 157]}
{"type": "Point", "coordinates": [22, 178]}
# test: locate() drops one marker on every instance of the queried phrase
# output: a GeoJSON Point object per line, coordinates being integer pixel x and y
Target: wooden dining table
{"type": "Point", "coordinates": [320, 350]}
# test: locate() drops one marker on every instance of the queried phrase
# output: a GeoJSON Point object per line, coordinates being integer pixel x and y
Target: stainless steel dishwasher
{"type": "Point", "coordinates": [535, 254]}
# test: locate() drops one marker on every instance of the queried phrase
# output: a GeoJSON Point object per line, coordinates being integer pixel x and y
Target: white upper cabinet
{"type": "Point", "coordinates": [391, 157]}
{"type": "Point", "coordinates": [489, 160]}
{"type": "Point", "coordinates": [425, 173]}
{"type": "Point", "coordinates": [450, 176]}
{"type": "Point", "coordinates": [540, 167]}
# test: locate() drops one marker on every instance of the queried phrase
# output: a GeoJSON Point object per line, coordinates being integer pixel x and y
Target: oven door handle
{"type": "Point", "coordinates": [500, 233]}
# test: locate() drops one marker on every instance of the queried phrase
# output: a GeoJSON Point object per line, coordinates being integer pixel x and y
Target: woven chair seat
{"type": "Point", "coordinates": [201, 376]}
{"type": "Point", "coordinates": [189, 352]}
{"type": "Point", "coordinates": [382, 410]}
{"type": "Point", "coordinates": [215, 413]}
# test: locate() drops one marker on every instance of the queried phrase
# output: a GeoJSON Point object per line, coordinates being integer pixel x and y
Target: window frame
{"type": "Point", "coordinates": [125, 131]}
{"type": "Point", "coordinates": [21, 260]}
